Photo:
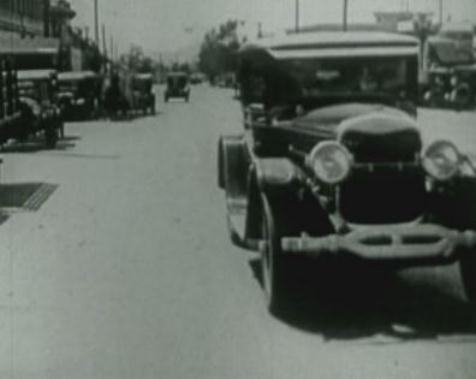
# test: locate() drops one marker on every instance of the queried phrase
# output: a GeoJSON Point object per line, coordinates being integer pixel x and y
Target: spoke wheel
{"type": "Point", "coordinates": [272, 261]}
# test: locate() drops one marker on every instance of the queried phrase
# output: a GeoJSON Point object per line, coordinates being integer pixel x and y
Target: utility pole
{"type": "Point", "coordinates": [297, 16]}
{"type": "Point", "coordinates": [344, 16]}
{"type": "Point", "coordinates": [111, 42]}
{"type": "Point", "coordinates": [46, 18]}
{"type": "Point", "coordinates": [440, 10]}
{"type": "Point", "coordinates": [104, 42]}
{"type": "Point", "coordinates": [96, 22]}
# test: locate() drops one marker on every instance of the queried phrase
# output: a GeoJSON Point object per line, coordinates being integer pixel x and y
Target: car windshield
{"type": "Point", "coordinates": [68, 86]}
{"type": "Point", "coordinates": [83, 87]}
{"type": "Point", "coordinates": [350, 76]}
{"type": "Point", "coordinates": [143, 85]}
{"type": "Point", "coordinates": [37, 90]}
{"type": "Point", "coordinates": [177, 81]}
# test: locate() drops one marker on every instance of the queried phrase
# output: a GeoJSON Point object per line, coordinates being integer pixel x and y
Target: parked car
{"type": "Point", "coordinates": [10, 113]}
{"type": "Point", "coordinates": [177, 86]}
{"type": "Point", "coordinates": [144, 96]}
{"type": "Point", "coordinates": [450, 75]}
{"type": "Point", "coordinates": [40, 113]}
{"type": "Point", "coordinates": [331, 163]}
{"type": "Point", "coordinates": [79, 94]}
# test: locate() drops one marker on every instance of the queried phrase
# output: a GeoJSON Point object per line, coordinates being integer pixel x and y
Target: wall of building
{"type": "Point", "coordinates": [24, 16]}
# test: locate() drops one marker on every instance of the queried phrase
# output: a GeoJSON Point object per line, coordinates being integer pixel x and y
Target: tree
{"type": "Point", "coordinates": [423, 28]}
{"type": "Point", "coordinates": [218, 50]}
{"type": "Point", "coordinates": [135, 60]}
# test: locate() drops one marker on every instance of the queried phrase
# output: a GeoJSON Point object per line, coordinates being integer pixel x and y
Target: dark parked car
{"type": "Point", "coordinates": [40, 113]}
{"type": "Point", "coordinates": [178, 86]}
{"type": "Point", "coordinates": [331, 163]}
{"type": "Point", "coordinates": [79, 94]}
{"type": "Point", "coordinates": [143, 94]}
{"type": "Point", "coordinates": [10, 110]}
{"type": "Point", "coordinates": [450, 75]}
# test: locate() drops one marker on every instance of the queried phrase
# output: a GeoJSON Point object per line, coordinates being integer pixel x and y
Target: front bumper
{"type": "Point", "coordinates": [420, 243]}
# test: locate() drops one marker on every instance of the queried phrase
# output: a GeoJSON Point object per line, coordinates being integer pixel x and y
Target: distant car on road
{"type": "Point", "coordinates": [143, 94]}
{"type": "Point", "coordinates": [79, 94]}
{"type": "Point", "coordinates": [177, 86]}
{"type": "Point", "coordinates": [331, 164]}
{"type": "Point", "coordinates": [40, 113]}
{"type": "Point", "coordinates": [197, 78]}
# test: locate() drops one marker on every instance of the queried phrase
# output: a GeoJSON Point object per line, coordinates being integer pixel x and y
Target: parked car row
{"type": "Point", "coordinates": [38, 101]}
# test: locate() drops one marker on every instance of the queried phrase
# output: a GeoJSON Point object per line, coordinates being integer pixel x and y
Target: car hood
{"type": "Point", "coordinates": [335, 121]}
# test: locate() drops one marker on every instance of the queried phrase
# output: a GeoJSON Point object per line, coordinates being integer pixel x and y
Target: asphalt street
{"type": "Point", "coordinates": [126, 271]}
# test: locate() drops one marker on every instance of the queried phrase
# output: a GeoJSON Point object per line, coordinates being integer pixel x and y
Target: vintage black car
{"type": "Point", "coordinates": [331, 163]}
{"type": "Point", "coordinates": [177, 86]}
{"type": "Point", "coordinates": [450, 77]}
{"type": "Point", "coordinates": [79, 94]}
{"type": "Point", "coordinates": [10, 114]}
{"type": "Point", "coordinates": [143, 94]}
{"type": "Point", "coordinates": [40, 113]}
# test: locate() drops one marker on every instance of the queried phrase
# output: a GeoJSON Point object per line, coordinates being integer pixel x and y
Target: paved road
{"type": "Point", "coordinates": [126, 272]}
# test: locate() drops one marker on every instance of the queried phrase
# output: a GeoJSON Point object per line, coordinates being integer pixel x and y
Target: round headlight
{"type": "Point", "coordinates": [330, 162]}
{"type": "Point", "coordinates": [441, 160]}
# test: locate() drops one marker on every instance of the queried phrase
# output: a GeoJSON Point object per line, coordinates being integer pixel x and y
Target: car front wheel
{"type": "Point", "coordinates": [51, 137]}
{"type": "Point", "coordinates": [468, 276]}
{"type": "Point", "coordinates": [273, 268]}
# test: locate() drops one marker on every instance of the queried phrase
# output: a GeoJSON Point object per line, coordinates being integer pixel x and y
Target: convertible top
{"type": "Point", "coordinates": [76, 75]}
{"type": "Point", "coordinates": [334, 44]}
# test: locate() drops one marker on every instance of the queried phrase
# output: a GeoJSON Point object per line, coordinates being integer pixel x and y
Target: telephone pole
{"type": "Point", "coordinates": [297, 16]}
{"type": "Point", "coordinates": [440, 11]}
{"type": "Point", "coordinates": [111, 42]}
{"type": "Point", "coordinates": [104, 42]}
{"type": "Point", "coordinates": [344, 16]}
{"type": "Point", "coordinates": [96, 22]}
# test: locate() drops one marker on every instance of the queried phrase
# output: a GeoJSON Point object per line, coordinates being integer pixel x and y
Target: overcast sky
{"type": "Point", "coordinates": [165, 25]}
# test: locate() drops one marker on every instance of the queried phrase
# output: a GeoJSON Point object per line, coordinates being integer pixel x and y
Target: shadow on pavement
{"type": "Point", "coordinates": [131, 117]}
{"type": "Point", "coordinates": [26, 196]}
{"type": "Point", "coordinates": [348, 301]}
{"type": "Point", "coordinates": [3, 217]}
{"type": "Point", "coordinates": [37, 144]}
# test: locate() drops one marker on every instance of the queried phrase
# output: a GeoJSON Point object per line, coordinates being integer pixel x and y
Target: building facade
{"type": "Point", "coordinates": [27, 17]}
{"type": "Point", "coordinates": [32, 18]}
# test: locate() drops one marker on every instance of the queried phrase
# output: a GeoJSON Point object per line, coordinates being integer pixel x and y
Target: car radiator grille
{"type": "Point", "coordinates": [385, 186]}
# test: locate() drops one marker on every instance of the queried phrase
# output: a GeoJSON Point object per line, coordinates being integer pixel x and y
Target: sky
{"type": "Point", "coordinates": [169, 25]}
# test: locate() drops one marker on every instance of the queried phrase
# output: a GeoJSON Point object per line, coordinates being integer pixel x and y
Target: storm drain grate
{"type": "Point", "coordinates": [28, 196]}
